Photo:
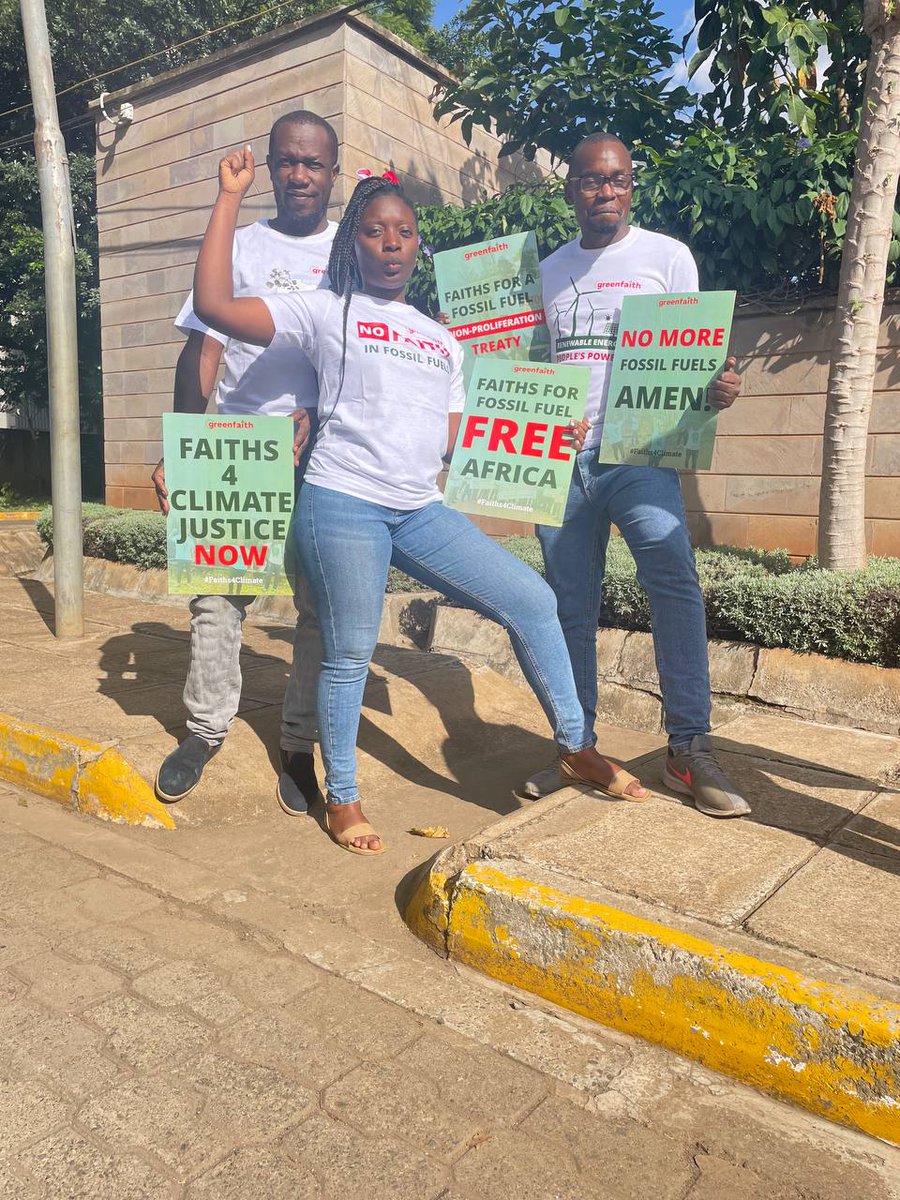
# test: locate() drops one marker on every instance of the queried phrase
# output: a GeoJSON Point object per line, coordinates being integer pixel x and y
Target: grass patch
{"type": "Point", "coordinates": [13, 501]}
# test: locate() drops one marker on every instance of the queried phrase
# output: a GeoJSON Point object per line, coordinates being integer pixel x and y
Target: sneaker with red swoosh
{"type": "Point", "coordinates": [695, 771]}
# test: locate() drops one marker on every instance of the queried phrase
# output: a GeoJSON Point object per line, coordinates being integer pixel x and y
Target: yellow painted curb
{"type": "Point", "coordinates": [80, 774]}
{"type": "Point", "coordinates": [26, 514]}
{"type": "Point", "coordinates": [831, 1049]}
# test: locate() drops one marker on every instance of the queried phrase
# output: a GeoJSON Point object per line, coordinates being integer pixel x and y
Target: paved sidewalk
{"type": "Point", "coordinates": [150, 1047]}
{"type": "Point", "coordinates": [237, 1006]}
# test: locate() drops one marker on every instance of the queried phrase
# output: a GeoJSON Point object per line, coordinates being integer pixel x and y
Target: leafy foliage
{"type": "Point", "coordinates": [557, 71]}
{"type": "Point", "coordinates": [458, 47]}
{"type": "Point", "coordinates": [764, 64]}
{"type": "Point", "coordinates": [541, 207]}
{"type": "Point", "coordinates": [138, 538]}
{"type": "Point", "coordinates": [23, 335]}
{"type": "Point", "coordinates": [759, 217]}
{"type": "Point", "coordinates": [89, 513]}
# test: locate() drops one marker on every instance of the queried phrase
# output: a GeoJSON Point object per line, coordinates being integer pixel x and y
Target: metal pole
{"type": "Point", "coordinates": [62, 334]}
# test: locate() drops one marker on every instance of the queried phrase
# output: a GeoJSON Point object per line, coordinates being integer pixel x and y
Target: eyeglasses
{"type": "Point", "coordinates": [590, 185]}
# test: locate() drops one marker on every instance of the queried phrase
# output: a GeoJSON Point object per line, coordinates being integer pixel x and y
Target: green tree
{"type": "Point", "coordinates": [864, 265]}
{"type": "Point", "coordinates": [763, 64]}
{"type": "Point", "coordinates": [763, 77]}
{"type": "Point", "coordinates": [23, 336]}
{"type": "Point", "coordinates": [457, 47]}
{"type": "Point", "coordinates": [556, 71]}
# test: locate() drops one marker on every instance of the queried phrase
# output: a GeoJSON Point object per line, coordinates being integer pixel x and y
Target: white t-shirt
{"type": "Point", "coordinates": [583, 293]}
{"type": "Point", "coordinates": [383, 437]}
{"type": "Point", "coordinates": [258, 380]}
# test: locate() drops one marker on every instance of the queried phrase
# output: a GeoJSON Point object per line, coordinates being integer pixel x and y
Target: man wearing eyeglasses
{"type": "Point", "coordinates": [584, 283]}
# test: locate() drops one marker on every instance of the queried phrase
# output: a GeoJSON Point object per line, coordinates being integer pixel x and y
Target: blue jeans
{"type": "Point", "coordinates": [646, 504]}
{"type": "Point", "coordinates": [346, 545]}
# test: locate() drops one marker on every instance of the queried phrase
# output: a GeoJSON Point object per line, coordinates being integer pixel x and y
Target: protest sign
{"type": "Point", "coordinates": [231, 494]}
{"type": "Point", "coordinates": [512, 459]}
{"type": "Point", "coordinates": [669, 350]}
{"type": "Point", "coordinates": [491, 292]}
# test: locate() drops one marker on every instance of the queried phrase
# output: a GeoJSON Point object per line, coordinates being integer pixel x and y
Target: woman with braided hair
{"type": "Point", "coordinates": [390, 398]}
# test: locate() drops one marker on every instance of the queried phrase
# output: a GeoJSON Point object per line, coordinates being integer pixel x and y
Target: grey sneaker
{"type": "Point", "coordinates": [181, 770]}
{"type": "Point", "coordinates": [542, 783]}
{"type": "Point", "coordinates": [696, 772]}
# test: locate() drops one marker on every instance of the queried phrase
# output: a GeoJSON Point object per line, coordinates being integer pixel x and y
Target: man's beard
{"type": "Point", "coordinates": [301, 224]}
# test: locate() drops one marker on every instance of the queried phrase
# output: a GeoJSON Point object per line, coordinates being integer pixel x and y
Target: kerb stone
{"type": "Point", "coordinates": [846, 693]}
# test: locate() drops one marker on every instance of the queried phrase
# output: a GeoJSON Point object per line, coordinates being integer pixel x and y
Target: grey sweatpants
{"type": "Point", "coordinates": [213, 688]}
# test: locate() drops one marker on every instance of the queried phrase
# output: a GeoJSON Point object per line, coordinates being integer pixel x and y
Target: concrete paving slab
{"type": "Point", "coordinates": [842, 906]}
{"type": "Point", "coordinates": [874, 756]}
{"type": "Point", "coordinates": [27, 669]}
{"type": "Point", "coordinates": [134, 710]}
{"type": "Point", "coordinates": [812, 803]}
{"type": "Point", "coordinates": [447, 1034]}
{"type": "Point", "coordinates": [26, 593]}
{"type": "Point", "coordinates": [874, 831]}
{"type": "Point", "coordinates": [663, 852]}
{"type": "Point", "coordinates": [20, 628]}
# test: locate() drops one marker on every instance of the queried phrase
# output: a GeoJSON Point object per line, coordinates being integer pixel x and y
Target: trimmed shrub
{"type": "Point", "coordinates": [138, 538]}
{"type": "Point", "coordinates": [854, 616]}
{"type": "Point", "coordinates": [90, 512]}
{"type": "Point", "coordinates": [750, 595]}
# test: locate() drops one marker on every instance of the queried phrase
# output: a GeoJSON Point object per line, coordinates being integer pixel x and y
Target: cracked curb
{"type": "Point", "coordinates": [830, 1048]}
{"type": "Point", "coordinates": [89, 777]}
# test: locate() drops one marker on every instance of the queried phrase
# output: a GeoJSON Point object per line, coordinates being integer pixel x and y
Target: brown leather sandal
{"type": "Point", "coordinates": [621, 779]}
{"type": "Point", "coordinates": [344, 839]}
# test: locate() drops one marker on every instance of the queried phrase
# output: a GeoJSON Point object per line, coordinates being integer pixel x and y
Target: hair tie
{"type": "Point", "coordinates": [365, 173]}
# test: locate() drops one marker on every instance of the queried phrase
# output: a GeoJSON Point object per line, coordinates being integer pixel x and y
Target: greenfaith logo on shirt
{"type": "Point", "coordinates": [281, 280]}
{"type": "Point", "coordinates": [586, 326]}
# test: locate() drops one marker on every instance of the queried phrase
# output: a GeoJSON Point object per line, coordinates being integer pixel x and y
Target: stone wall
{"type": "Point", "coordinates": [763, 489]}
{"type": "Point", "coordinates": [744, 678]}
{"type": "Point", "coordinates": [156, 182]}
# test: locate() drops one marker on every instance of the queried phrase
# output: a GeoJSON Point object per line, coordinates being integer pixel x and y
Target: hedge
{"type": "Point", "coordinates": [750, 595]}
{"type": "Point", "coordinates": [117, 534]}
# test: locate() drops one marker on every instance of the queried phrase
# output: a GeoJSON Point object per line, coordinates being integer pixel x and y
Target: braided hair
{"type": "Point", "coordinates": [343, 267]}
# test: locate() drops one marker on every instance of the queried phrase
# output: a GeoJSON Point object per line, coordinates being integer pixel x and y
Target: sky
{"type": "Point", "coordinates": [677, 14]}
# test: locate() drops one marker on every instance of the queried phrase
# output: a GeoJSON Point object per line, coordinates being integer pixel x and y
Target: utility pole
{"type": "Point", "coordinates": [62, 333]}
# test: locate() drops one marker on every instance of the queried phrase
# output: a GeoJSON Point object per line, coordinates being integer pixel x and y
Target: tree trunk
{"type": "Point", "coordinates": [842, 541]}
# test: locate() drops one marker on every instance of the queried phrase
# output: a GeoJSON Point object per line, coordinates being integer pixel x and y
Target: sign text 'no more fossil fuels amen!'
{"type": "Point", "coordinates": [669, 349]}
{"type": "Point", "coordinates": [513, 459]}
{"type": "Point", "coordinates": [231, 495]}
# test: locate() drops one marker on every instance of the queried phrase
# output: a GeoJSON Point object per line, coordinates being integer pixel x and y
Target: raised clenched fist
{"type": "Point", "coordinates": [236, 172]}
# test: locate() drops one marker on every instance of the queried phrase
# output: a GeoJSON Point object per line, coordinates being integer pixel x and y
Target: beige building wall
{"type": "Point", "coordinates": [763, 489]}
{"type": "Point", "coordinates": [156, 182]}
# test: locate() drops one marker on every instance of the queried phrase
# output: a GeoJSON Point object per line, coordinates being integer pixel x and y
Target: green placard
{"type": "Point", "coordinates": [230, 480]}
{"type": "Point", "coordinates": [669, 349]}
{"type": "Point", "coordinates": [511, 460]}
{"type": "Point", "coordinates": [491, 291]}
